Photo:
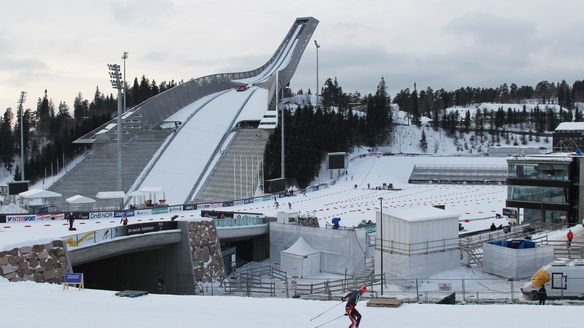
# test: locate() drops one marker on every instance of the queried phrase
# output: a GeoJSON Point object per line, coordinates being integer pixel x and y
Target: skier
{"type": "Point", "coordinates": [352, 299]}
{"type": "Point", "coordinates": [570, 236]}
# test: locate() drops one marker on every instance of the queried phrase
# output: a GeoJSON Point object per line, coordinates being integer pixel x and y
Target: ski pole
{"type": "Point", "coordinates": [325, 311]}
{"type": "Point", "coordinates": [331, 320]}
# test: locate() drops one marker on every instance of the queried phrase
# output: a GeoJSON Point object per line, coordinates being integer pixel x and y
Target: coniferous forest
{"type": "Point", "coordinates": [49, 130]}
{"type": "Point", "coordinates": [341, 122]}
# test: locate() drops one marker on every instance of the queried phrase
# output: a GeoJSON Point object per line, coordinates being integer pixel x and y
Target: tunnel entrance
{"type": "Point", "coordinates": [152, 270]}
{"type": "Point", "coordinates": [244, 251]}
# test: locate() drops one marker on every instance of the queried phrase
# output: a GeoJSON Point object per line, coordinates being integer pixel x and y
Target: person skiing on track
{"type": "Point", "coordinates": [352, 299]}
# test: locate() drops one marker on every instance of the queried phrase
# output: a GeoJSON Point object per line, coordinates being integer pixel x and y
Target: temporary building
{"type": "Point", "coordinates": [38, 193]}
{"type": "Point", "coordinates": [417, 242]}
{"type": "Point", "coordinates": [515, 259]}
{"type": "Point", "coordinates": [300, 259]}
{"type": "Point", "coordinates": [79, 199]}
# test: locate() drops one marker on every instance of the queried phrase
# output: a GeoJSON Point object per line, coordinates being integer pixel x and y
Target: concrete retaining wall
{"type": "Point", "coordinates": [41, 263]}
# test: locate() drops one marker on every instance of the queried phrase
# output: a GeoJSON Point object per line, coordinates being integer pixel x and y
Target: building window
{"type": "Point", "coordinates": [538, 194]}
{"type": "Point", "coordinates": [535, 215]}
{"type": "Point", "coordinates": [544, 171]}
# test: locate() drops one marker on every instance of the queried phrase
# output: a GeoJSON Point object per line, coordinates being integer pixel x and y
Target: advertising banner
{"type": "Point", "coordinates": [143, 212]}
{"type": "Point", "coordinates": [248, 201]}
{"type": "Point", "coordinates": [215, 205]}
{"type": "Point", "coordinates": [228, 203]}
{"type": "Point", "coordinates": [159, 210]}
{"type": "Point", "coordinates": [136, 229]}
{"type": "Point", "coordinates": [20, 218]}
{"type": "Point", "coordinates": [82, 239]}
{"type": "Point", "coordinates": [189, 207]}
{"type": "Point", "coordinates": [101, 215]}
{"type": "Point", "coordinates": [199, 206]}
{"type": "Point", "coordinates": [175, 208]}
{"type": "Point", "coordinates": [247, 216]}
{"type": "Point", "coordinates": [48, 217]}
{"type": "Point", "coordinates": [121, 214]}
{"type": "Point", "coordinates": [237, 202]}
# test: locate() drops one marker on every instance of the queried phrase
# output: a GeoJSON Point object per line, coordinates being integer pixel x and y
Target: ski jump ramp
{"type": "Point", "coordinates": [201, 115]}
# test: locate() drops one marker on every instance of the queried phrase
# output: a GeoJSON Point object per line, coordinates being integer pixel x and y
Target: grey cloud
{"type": "Point", "coordinates": [486, 30]}
{"type": "Point", "coordinates": [141, 12]}
{"type": "Point", "coordinates": [360, 68]}
{"type": "Point", "coordinates": [27, 64]}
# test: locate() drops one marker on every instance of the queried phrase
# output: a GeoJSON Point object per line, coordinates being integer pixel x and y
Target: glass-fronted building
{"type": "Point", "coordinates": [546, 188]}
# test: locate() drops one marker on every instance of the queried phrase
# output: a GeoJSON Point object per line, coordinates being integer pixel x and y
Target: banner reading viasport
{"type": "Point", "coordinates": [20, 218]}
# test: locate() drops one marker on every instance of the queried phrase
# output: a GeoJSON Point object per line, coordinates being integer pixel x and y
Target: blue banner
{"type": "Point", "coordinates": [73, 278]}
{"type": "Point", "coordinates": [119, 214]}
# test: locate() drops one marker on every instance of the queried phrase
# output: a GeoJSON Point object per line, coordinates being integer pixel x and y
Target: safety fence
{"type": "Point", "coordinates": [270, 281]}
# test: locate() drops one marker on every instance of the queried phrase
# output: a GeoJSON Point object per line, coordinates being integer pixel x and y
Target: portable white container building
{"type": "Point", "coordinates": [417, 242]}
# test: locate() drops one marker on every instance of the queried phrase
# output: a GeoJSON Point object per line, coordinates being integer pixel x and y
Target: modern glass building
{"type": "Point", "coordinates": [546, 188]}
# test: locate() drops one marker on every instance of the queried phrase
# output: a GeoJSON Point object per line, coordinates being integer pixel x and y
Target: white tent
{"type": "Point", "coordinates": [300, 259]}
{"type": "Point", "coordinates": [79, 199]}
{"type": "Point", "coordinates": [110, 195]}
{"type": "Point", "coordinates": [38, 193]}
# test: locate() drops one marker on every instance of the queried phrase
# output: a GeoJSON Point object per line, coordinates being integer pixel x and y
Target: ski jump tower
{"type": "Point", "coordinates": [145, 139]}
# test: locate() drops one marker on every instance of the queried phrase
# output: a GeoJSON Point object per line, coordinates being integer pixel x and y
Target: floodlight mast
{"type": "Point", "coordinates": [115, 75]}
{"type": "Point", "coordinates": [317, 85]}
{"type": "Point", "coordinates": [21, 101]}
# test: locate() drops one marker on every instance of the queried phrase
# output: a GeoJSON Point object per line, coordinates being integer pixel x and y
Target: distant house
{"type": "Point", "coordinates": [568, 136]}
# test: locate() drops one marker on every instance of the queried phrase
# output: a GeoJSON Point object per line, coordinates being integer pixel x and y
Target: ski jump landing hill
{"type": "Point", "coordinates": [176, 142]}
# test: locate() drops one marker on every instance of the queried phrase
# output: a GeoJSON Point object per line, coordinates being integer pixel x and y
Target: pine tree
{"type": "Point", "coordinates": [423, 143]}
{"type": "Point", "coordinates": [7, 139]}
{"type": "Point", "coordinates": [416, 119]}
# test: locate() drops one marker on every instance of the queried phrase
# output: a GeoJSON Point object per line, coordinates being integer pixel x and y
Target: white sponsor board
{"type": "Point", "coordinates": [143, 212]}
{"type": "Point", "coordinates": [101, 215]}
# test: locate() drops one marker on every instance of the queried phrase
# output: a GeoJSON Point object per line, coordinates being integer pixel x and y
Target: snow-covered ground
{"type": "Point", "coordinates": [352, 205]}
{"type": "Point", "coordinates": [27, 304]}
{"type": "Point", "coordinates": [476, 204]}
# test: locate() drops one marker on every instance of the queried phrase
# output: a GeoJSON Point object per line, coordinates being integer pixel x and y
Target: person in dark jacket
{"type": "Point", "coordinates": [352, 299]}
{"type": "Point", "coordinates": [542, 295]}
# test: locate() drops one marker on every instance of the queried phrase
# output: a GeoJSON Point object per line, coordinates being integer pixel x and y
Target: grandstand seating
{"type": "Point", "coordinates": [238, 172]}
{"type": "Point", "coordinates": [97, 172]}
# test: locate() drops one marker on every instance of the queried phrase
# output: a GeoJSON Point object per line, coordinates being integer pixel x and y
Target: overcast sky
{"type": "Point", "coordinates": [64, 46]}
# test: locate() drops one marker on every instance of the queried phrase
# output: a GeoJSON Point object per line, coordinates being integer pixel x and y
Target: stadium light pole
{"type": "Point", "coordinates": [381, 238]}
{"type": "Point", "coordinates": [21, 101]}
{"type": "Point", "coordinates": [115, 79]}
{"type": "Point", "coordinates": [124, 57]}
{"type": "Point", "coordinates": [316, 91]}
{"type": "Point", "coordinates": [282, 165]}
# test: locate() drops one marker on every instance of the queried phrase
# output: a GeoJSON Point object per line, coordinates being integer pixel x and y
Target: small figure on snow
{"type": "Point", "coordinates": [542, 295]}
{"type": "Point", "coordinates": [570, 236]}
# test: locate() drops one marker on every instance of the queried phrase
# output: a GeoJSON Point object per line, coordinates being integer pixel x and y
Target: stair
{"type": "Point", "coordinates": [98, 171]}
